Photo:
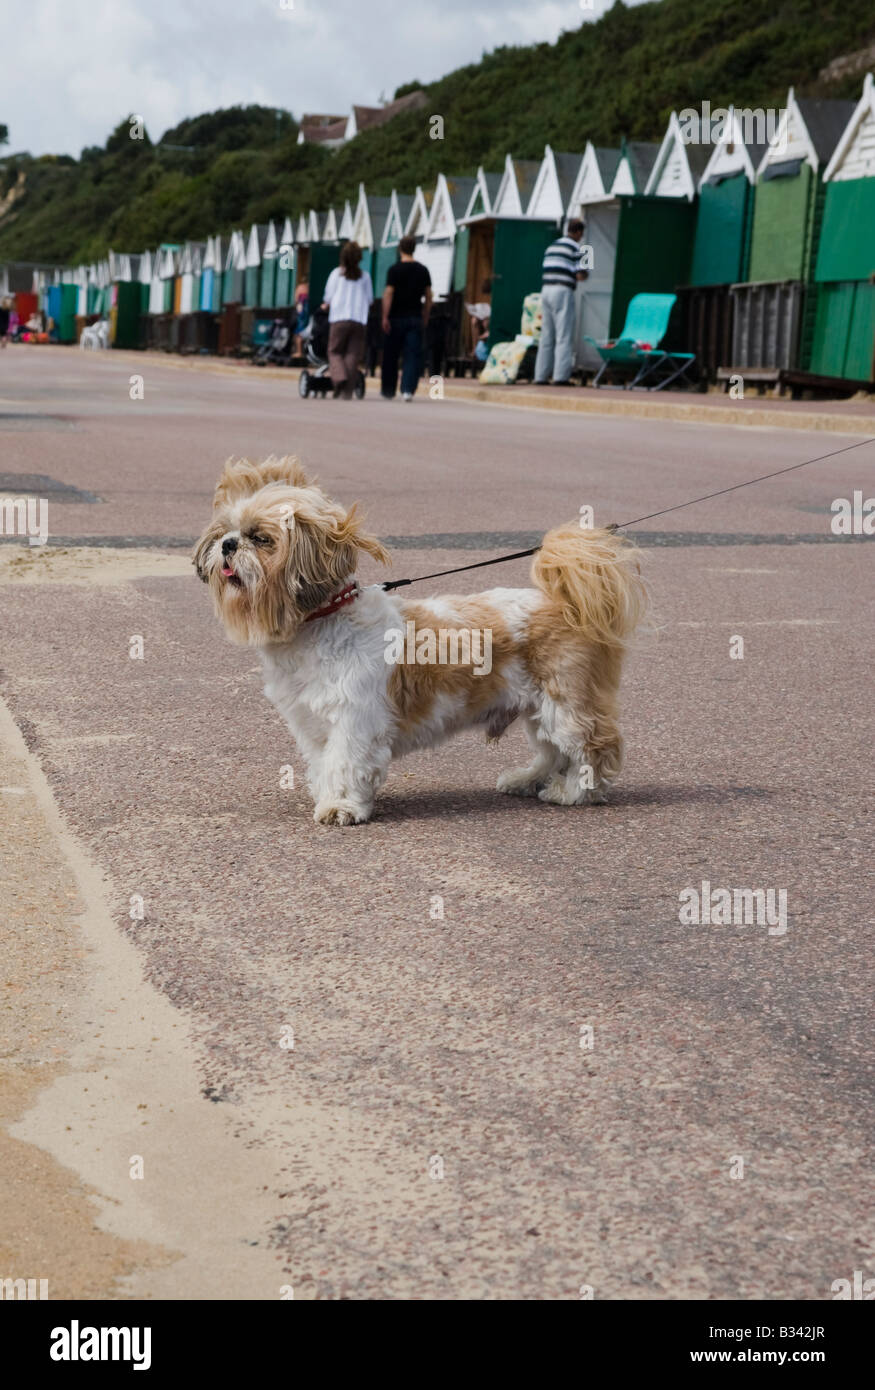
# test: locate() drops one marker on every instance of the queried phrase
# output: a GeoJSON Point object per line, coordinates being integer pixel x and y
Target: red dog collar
{"type": "Point", "coordinates": [346, 595]}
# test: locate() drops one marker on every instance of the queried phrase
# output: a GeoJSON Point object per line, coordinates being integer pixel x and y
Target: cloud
{"type": "Point", "coordinates": [74, 68]}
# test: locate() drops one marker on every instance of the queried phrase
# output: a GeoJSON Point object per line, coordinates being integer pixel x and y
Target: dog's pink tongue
{"type": "Point", "coordinates": [227, 571]}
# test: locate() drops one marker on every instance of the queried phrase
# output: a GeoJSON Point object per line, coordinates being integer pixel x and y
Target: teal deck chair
{"type": "Point", "coordinates": [636, 354]}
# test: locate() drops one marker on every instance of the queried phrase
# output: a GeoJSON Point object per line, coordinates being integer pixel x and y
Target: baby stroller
{"type": "Point", "coordinates": [317, 382]}
{"type": "Point", "coordinates": [278, 347]}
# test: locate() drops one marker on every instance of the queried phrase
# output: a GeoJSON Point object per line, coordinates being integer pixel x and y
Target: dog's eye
{"type": "Point", "coordinates": [261, 540]}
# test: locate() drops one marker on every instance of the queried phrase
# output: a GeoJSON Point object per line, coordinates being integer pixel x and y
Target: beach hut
{"type": "Point", "coordinates": [190, 270]}
{"type": "Point", "coordinates": [302, 249]}
{"type": "Point", "coordinates": [678, 166]}
{"type": "Point", "coordinates": [437, 248]}
{"type": "Point", "coordinates": [506, 250]}
{"type": "Point", "coordinates": [210, 282]}
{"type": "Point", "coordinates": [267, 278]}
{"type": "Point", "coordinates": [485, 190]}
{"type": "Point", "coordinates": [386, 254]}
{"type": "Point", "coordinates": [515, 188]}
{"type": "Point", "coordinates": [284, 288]}
{"type": "Point", "coordinates": [554, 185]}
{"type": "Point", "coordinates": [330, 226]}
{"type": "Point", "coordinates": [369, 219]}
{"type": "Point", "coordinates": [844, 334]}
{"type": "Point", "coordinates": [368, 224]}
{"type": "Point", "coordinates": [344, 226]}
{"type": "Point", "coordinates": [637, 243]}
{"type": "Point", "coordinates": [721, 246]}
{"type": "Point", "coordinates": [255, 244]}
{"type": "Point", "coordinates": [594, 179]}
{"type": "Point", "coordinates": [637, 158]}
{"type": "Point", "coordinates": [417, 219]}
{"type": "Point", "coordinates": [713, 158]}
{"type": "Point", "coordinates": [234, 271]}
{"type": "Point", "coordinates": [775, 308]}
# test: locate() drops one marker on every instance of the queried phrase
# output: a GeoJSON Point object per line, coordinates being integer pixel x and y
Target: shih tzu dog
{"type": "Point", "coordinates": [361, 676]}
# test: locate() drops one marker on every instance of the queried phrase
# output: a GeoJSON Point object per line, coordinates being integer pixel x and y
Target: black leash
{"type": "Point", "coordinates": [621, 525]}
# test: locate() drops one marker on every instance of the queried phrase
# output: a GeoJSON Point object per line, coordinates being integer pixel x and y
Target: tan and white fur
{"type": "Point", "coordinates": [277, 549]}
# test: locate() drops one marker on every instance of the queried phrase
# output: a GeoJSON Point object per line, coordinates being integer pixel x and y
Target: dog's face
{"type": "Point", "coordinates": [276, 549]}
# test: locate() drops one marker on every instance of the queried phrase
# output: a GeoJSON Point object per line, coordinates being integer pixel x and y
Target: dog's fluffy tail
{"type": "Point", "coordinates": [595, 577]}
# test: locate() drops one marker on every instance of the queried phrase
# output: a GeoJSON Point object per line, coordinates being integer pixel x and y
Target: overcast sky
{"type": "Point", "coordinates": [72, 69]}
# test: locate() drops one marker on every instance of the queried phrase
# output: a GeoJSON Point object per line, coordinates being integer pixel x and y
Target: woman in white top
{"type": "Point", "coordinates": [349, 295]}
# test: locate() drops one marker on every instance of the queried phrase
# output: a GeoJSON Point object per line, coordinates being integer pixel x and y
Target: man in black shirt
{"type": "Point", "coordinates": [406, 307]}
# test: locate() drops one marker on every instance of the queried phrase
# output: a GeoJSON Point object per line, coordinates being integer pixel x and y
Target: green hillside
{"type": "Point", "coordinates": [619, 76]}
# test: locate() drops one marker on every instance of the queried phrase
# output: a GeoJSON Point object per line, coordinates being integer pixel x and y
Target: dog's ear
{"type": "Point", "coordinates": [323, 551]}
{"type": "Point", "coordinates": [242, 477]}
{"type": "Point", "coordinates": [213, 533]}
{"type": "Point", "coordinates": [350, 531]}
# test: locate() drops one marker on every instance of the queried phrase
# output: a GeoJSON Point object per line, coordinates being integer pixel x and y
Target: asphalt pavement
{"type": "Point", "coordinates": [515, 1072]}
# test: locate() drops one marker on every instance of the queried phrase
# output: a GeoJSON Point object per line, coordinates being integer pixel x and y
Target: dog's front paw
{"type": "Point", "coordinates": [340, 813]}
{"type": "Point", "coordinates": [518, 782]}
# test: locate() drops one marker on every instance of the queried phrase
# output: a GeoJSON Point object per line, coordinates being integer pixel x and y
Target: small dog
{"type": "Point", "coordinates": [357, 674]}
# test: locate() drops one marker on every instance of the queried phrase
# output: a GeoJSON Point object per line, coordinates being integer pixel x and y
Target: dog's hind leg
{"type": "Point", "coordinates": [526, 781]}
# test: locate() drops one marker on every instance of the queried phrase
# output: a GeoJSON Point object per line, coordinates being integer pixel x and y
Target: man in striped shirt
{"type": "Point", "coordinates": [561, 271]}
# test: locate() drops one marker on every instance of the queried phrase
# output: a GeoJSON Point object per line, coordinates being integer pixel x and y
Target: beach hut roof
{"type": "Point", "coordinates": [516, 186]}
{"type": "Point", "coordinates": [400, 205]}
{"type": "Point", "coordinates": [807, 133]}
{"type": "Point", "coordinates": [418, 219]}
{"type": "Point", "coordinates": [637, 158]}
{"type": "Point", "coordinates": [344, 228]}
{"type": "Point", "coordinates": [733, 152]}
{"type": "Point", "coordinates": [483, 194]}
{"type": "Point", "coordinates": [554, 185]}
{"type": "Point", "coordinates": [329, 226]}
{"type": "Point", "coordinates": [854, 154]}
{"type": "Point", "coordinates": [370, 218]}
{"type": "Point", "coordinates": [595, 176]}
{"type": "Point", "coordinates": [679, 165]}
{"type": "Point", "coordinates": [451, 197]}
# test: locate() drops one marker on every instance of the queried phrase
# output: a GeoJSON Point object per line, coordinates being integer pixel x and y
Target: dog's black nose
{"type": "Point", "coordinates": [229, 545]}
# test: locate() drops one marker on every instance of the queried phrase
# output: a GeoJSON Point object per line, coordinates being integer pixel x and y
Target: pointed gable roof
{"type": "Point", "coordinates": [854, 154]}
{"type": "Point", "coordinates": [483, 193]}
{"type": "Point", "coordinates": [594, 179]}
{"type": "Point", "coordinates": [678, 166]}
{"type": "Point", "coordinates": [732, 154]}
{"type": "Point", "coordinates": [451, 197]}
{"type": "Point", "coordinates": [370, 218]}
{"type": "Point", "coordinates": [344, 230]}
{"type": "Point", "coordinates": [418, 219]}
{"type": "Point", "coordinates": [554, 185]}
{"type": "Point", "coordinates": [637, 158]}
{"type": "Point", "coordinates": [329, 226]}
{"type": "Point", "coordinates": [396, 219]}
{"type": "Point", "coordinates": [807, 132]}
{"type": "Point", "coordinates": [515, 188]}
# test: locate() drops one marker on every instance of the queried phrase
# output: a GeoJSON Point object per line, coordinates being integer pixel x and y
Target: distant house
{"type": "Point", "coordinates": [368, 117]}
{"type": "Point", "coordinates": [322, 130]}
{"type": "Point", "coordinates": [333, 131]}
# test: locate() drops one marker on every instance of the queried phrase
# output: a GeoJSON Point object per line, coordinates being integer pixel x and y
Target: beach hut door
{"type": "Point", "coordinates": [594, 296]}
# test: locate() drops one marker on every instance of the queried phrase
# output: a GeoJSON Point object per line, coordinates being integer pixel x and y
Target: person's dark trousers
{"type": "Point", "coordinates": [403, 340]}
